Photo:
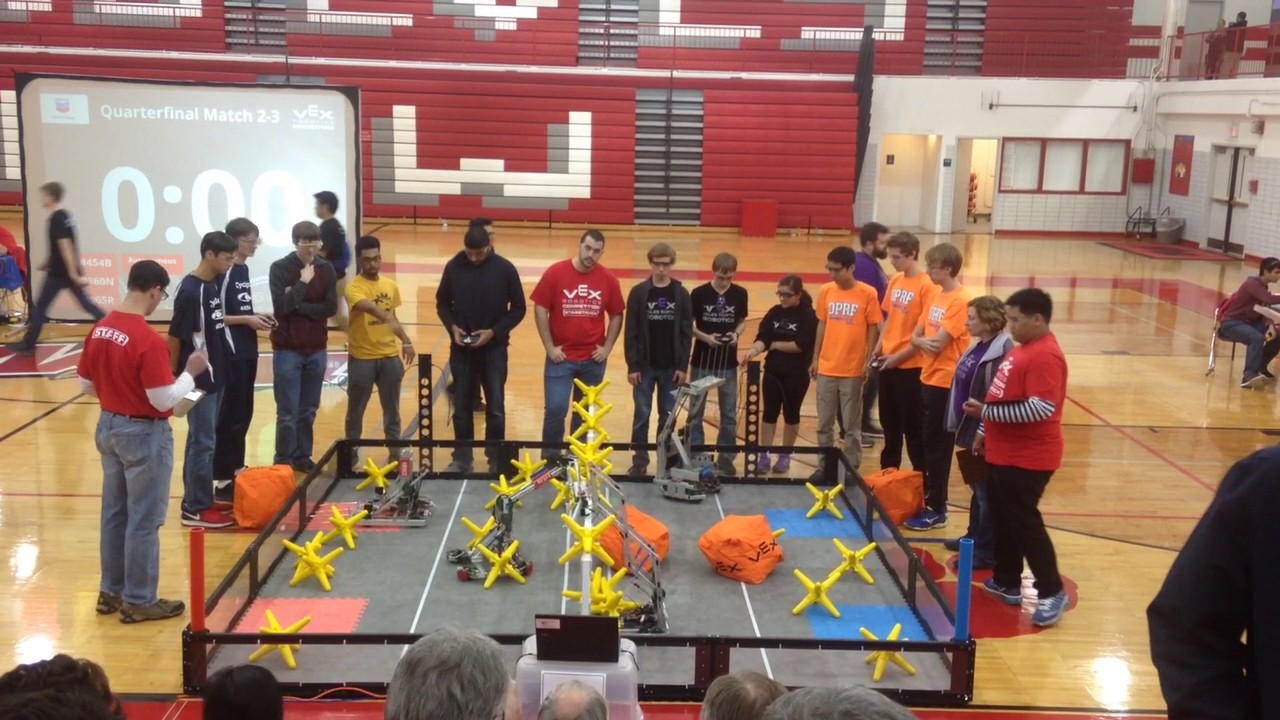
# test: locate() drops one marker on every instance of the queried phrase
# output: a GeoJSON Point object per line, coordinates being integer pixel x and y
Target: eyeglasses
{"type": "Point", "coordinates": [164, 295]}
{"type": "Point", "coordinates": [784, 295]}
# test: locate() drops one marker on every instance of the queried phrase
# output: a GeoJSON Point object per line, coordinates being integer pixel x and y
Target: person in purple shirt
{"type": "Point", "coordinates": [1242, 324]}
{"type": "Point", "coordinates": [874, 238]}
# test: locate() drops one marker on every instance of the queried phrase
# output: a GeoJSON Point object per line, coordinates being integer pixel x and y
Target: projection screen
{"type": "Point", "coordinates": [150, 167]}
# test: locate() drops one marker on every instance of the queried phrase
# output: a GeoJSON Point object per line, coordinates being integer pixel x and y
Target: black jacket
{"type": "Point", "coordinates": [1224, 584]}
{"type": "Point", "coordinates": [635, 330]}
{"type": "Point", "coordinates": [487, 296]}
{"type": "Point", "coordinates": [302, 310]}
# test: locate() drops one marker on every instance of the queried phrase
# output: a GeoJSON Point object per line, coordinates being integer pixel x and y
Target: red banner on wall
{"type": "Point", "coordinates": [1180, 168]}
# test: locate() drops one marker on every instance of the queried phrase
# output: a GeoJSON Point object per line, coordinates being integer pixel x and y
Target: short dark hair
{"type": "Point", "coordinates": [1268, 264]}
{"type": "Point", "coordinates": [1032, 301]}
{"type": "Point", "coordinates": [480, 222]}
{"type": "Point", "coordinates": [367, 242]}
{"type": "Point", "coordinates": [216, 242]}
{"type": "Point", "coordinates": [54, 190]}
{"type": "Point", "coordinates": [906, 243]}
{"type": "Point", "coordinates": [243, 692]}
{"type": "Point", "coordinates": [241, 228]}
{"type": "Point", "coordinates": [594, 235]}
{"type": "Point", "coordinates": [476, 238]}
{"type": "Point", "coordinates": [148, 275]}
{"type": "Point", "coordinates": [63, 675]}
{"type": "Point", "coordinates": [846, 256]}
{"type": "Point", "coordinates": [74, 704]}
{"type": "Point", "coordinates": [305, 230]}
{"type": "Point", "coordinates": [328, 199]}
{"type": "Point", "coordinates": [870, 232]}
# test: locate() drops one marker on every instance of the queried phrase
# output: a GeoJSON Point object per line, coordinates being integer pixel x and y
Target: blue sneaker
{"type": "Point", "coordinates": [925, 521]}
{"type": "Point", "coordinates": [1006, 595]}
{"type": "Point", "coordinates": [1049, 610]}
{"type": "Point", "coordinates": [763, 462]}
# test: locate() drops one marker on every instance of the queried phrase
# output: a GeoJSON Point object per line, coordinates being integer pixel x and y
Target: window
{"type": "Point", "coordinates": [1064, 166]}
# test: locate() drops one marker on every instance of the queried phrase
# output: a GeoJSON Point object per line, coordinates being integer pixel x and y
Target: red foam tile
{"type": "Point", "coordinates": [328, 615]}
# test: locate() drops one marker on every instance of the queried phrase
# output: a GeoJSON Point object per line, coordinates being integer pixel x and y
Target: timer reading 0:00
{"type": "Point", "coordinates": [260, 195]}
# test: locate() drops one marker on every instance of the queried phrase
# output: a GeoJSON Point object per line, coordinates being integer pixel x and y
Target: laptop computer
{"type": "Point", "coordinates": [577, 638]}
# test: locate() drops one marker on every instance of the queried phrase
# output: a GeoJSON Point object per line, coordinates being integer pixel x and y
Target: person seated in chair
{"type": "Point", "coordinates": [1240, 323]}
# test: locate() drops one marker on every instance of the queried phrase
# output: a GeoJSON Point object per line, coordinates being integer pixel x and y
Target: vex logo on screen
{"type": "Point", "coordinates": [312, 117]}
{"type": "Point", "coordinates": [64, 109]}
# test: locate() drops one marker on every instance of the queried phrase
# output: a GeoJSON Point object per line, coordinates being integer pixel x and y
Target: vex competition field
{"type": "Point", "coordinates": [399, 581]}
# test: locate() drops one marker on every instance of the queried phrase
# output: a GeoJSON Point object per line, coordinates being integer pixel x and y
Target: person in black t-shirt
{"type": "Point", "coordinates": [657, 334]}
{"type": "Point", "coordinates": [334, 248]}
{"type": "Point", "coordinates": [199, 324]}
{"type": "Point", "coordinates": [63, 265]}
{"type": "Point", "coordinates": [719, 317]}
{"type": "Point", "coordinates": [241, 334]}
{"type": "Point", "coordinates": [787, 332]}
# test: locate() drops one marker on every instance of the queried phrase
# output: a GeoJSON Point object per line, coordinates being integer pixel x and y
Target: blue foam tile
{"type": "Point", "coordinates": [879, 619]}
{"type": "Point", "coordinates": [824, 525]}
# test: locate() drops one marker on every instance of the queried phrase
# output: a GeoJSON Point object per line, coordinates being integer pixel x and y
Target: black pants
{"type": "Point", "coordinates": [234, 416]}
{"type": "Point", "coordinates": [900, 399]}
{"type": "Point", "coordinates": [938, 446]}
{"type": "Point", "coordinates": [474, 368]}
{"type": "Point", "coordinates": [54, 284]}
{"type": "Point", "coordinates": [783, 394]}
{"type": "Point", "coordinates": [1014, 494]}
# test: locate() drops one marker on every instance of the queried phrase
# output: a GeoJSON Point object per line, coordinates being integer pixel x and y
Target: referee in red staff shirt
{"type": "Point", "coordinates": [125, 364]}
{"type": "Point", "coordinates": [1022, 433]}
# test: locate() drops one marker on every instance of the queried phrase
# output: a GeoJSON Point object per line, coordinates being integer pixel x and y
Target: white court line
{"type": "Point", "coordinates": [422, 602]}
{"type": "Point", "coordinates": [1175, 331]}
{"type": "Point", "coordinates": [764, 655]}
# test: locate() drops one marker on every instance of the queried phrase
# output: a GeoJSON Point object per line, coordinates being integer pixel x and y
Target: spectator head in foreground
{"type": "Point", "coordinates": [855, 703]}
{"type": "Point", "coordinates": [740, 696]}
{"type": "Point", "coordinates": [243, 692]}
{"type": "Point", "coordinates": [61, 676]}
{"type": "Point", "coordinates": [574, 700]}
{"type": "Point", "coordinates": [448, 673]}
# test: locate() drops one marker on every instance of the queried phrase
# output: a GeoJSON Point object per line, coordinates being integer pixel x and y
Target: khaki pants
{"type": "Point", "coordinates": [845, 394]}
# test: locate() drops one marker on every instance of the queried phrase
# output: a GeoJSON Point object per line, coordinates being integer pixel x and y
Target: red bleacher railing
{"type": "Point", "coordinates": [1225, 54]}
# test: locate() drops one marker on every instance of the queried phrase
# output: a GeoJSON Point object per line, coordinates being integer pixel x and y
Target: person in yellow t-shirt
{"type": "Point", "coordinates": [849, 320]}
{"type": "Point", "coordinates": [899, 360]}
{"type": "Point", "coordinates": [942, 336]}
{"type": "Point", "coordinates": [373, 358]}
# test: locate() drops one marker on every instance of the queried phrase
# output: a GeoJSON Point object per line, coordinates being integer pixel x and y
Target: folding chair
{"type": "Point", "coordinates": [1217, 327]}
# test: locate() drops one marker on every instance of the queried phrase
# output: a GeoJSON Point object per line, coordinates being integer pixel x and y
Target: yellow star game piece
{"type": "Point", "coordinates": [882, 658]}
{"type": "Point", "coordinates": [526, 469]}
{"type": "Point", "coordinates": [501, 564]}
{"type": "Point", "coordinates": [502, 487]}
{"type": "Point", "coordinates": [344, 527]}
{"type": "Point", "coordinates": [311, 564]}
{"type": "Point", "coordinates": [853, 560]}
{"type": "Point", "coordinates": [564, 493]}
{"type": "Point", "coordinates": [286, 651]}
{"type": "Point", "coordinates": [479, 532]}
{"type": "Point", "coordinates": [588, 540]}
{"type": "Point", "coordinates": [376, 475]}
{"type": "Point", "coordinates": [817, 593]}
{"type": "Point", "coordinates": [826, 500]}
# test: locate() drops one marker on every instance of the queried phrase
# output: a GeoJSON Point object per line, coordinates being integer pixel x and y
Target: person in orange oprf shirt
{"type": "Point", "coordinates": [899, 360]}
{"type": "Point", "coordinates": [849, 321]}
{"type": "Point", "coordinates": [942, 336]}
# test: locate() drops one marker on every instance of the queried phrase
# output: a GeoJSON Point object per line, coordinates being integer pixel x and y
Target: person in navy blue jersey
{"type": "Point", "coordinates": [334, 248]}
{"type": "Point", "coordinates": [198, 324]}
{"type": "Point", "coordinates": [241, 334]}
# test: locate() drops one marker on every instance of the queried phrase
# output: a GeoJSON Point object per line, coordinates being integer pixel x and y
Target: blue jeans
{"type": "Point", "coordinates": [197, 456]}
{"type": "Point", "coordinates": [642, 395]}
{"type": "Point", "coordinates": [557, 385]}
{"type": "Point", "coordinates": [298, 381]}
{"type": "Point", "coordinates": [727, 394]}
{"type": "Point", "coordinates": [1260, 353]}
{"type": "Point", "coordinates": [137, 461]}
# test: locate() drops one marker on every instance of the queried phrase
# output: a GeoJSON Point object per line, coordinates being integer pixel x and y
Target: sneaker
{"type": "Point", "coordinates": [783, 465]}
{"type": "Point", "coordinates": [872, 430]}
{"type": "Point", "coordinates": [210, 519]}
{"type": "Point", "coordinates": [868, 442]}
{"type": "Point", "coordinates": [20, 349]}
{"type": "Point", "coordinates": [305, 465]}
{"type": "Point", "coordinates": [925, 521]}
{"type": "Point", "coordinates": [1049, 610]}
{"type": "Point", "coordinates": [1268, 375]}
{"type": "Point", "coordinates": [763, 461]}
{"type": "Point", "coordinates": [1006, 595]}
{"type": "Point", "coordinates": [158, 610]}
{"type": "Point", "coordinates": [1253, 381]}
{"type": "Point", "coordinates": [724, 466]}
{"type": "Point", "coordinates": [460, 467]}
{"type": "Point", "coordinates": [109, 604]}
{"type": "Point", "coordinates": [954, 545]}
{"type": "Point", "coordinates": [638, 470]}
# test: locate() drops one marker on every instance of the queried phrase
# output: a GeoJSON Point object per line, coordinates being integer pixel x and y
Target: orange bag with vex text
{"type": "Point", "coordinates": [260, 493]}
{"type": "Point", "coordinates": [647, 527]}
{"type": "Point", "coordinates": [900, 492]}
{"type": "Point", "coordinates": [742, 547]}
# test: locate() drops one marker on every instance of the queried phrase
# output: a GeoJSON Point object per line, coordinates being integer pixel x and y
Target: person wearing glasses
{"type": "Point", "coordinates": [198, 323]}
{"type": "Point", "coordinates": [242, 328]}
{"type": "Point", "coordinates": [849, 322]}
{"type": "Point", "coordinates": [787, 334]}
{"type": "Point", "coordinates": [657, 336]}
{"type": "Point", "coordinates": [304, 293]}
{"type": "Point", "coordinates": [719, 317]}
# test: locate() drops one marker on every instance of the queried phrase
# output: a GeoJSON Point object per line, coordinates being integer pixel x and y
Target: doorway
{"type": "Point", "coordinates": [908, 185]}
{"type": "Point", "coordinates": [1229, 199]}
{"type": "Point", "coordinates": [974, 199]}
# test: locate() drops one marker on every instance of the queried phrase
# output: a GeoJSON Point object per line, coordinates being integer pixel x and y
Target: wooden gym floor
{"type": "Point", "coordinates": [1148, 439]}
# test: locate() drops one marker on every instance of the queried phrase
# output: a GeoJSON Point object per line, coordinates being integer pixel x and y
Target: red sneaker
{"type": "Point", "coordinates": [210, 519]}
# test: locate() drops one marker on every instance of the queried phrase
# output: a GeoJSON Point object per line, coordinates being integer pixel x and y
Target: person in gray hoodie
{"type": "Point", "coordinates": [657, 337]}
{"type": "Point", "coordinates": [974, 373]}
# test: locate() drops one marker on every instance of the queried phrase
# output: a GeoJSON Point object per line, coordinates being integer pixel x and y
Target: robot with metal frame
{"type": "Point", "coordinates": [682, 475]}
{"type": "Point", "coordinates": [403, 504]}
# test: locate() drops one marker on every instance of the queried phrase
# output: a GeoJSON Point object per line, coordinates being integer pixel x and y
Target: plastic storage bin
{"type": "Point", "coordinates": [620, 681]}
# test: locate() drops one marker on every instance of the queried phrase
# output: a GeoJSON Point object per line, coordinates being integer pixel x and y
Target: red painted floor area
{"type": "Point", "coordinates": [372, 710]}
